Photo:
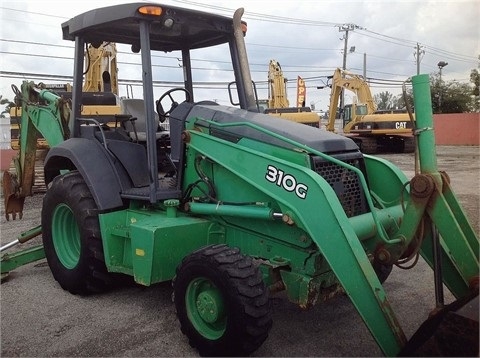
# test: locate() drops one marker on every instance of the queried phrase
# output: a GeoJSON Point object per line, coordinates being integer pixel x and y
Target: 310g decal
{"type": "Point", "coordinates": [286, 181]}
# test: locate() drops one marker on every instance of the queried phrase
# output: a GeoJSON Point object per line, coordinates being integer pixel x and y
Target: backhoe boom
{"type": "Point", "coordinates": [43, 114]}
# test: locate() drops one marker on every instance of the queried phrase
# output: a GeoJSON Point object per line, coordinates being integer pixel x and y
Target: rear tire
{"type": "Point", "coordinates": [71, 236]}
{"type": "Point", "coordinates": [222, 302]}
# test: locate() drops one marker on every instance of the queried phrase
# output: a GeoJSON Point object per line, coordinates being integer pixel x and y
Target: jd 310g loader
{"type": "Point", "coordinates": [240, 207]}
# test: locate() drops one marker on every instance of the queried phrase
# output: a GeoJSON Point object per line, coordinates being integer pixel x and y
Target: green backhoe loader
{"type": "Point", "coordinates": [236, 207]}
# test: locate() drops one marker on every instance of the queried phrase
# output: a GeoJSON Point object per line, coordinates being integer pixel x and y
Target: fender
{"type": "Point", "coordinates": [91, 160]}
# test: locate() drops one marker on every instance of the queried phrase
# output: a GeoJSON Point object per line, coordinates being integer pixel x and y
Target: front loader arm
{"type": "Point", "coordinates": [45, 114]}
{"type": "Point", "coordinates": [341, 240]}
{"type": "Point", "coordinates": [432, 200]}
{"type": "Point", "coordinates": [336, 234]}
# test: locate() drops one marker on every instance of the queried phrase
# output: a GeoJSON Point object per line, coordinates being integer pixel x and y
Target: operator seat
{"type": "Point", "coordinates": [137, 127]}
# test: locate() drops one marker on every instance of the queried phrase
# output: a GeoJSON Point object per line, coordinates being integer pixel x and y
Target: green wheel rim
{"type": "Point", "coordinates": [66, 236]}
{"type": "Point", "coordinates": [205, 308]}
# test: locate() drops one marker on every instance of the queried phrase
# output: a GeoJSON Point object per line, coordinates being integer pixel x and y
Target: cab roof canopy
{"type": "Point", "coordinates": [174, 29]}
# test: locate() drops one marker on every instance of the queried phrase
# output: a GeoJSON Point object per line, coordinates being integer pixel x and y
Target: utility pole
{"type": "Point", "coordinates": [418, 54]}
{"type": "Point", "coordinates": [345, 28]}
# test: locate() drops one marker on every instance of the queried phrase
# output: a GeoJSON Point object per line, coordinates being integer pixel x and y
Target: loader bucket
{"type": "Point", "coordinates": [13, 202]}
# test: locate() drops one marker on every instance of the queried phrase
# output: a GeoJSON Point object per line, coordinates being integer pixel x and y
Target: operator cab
{"type": "Point", "coordinates": [167, 45]}
{"type": "Point", "coordinates": [351, 111]}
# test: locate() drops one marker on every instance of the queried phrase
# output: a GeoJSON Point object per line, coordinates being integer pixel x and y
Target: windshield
{"type": "Point", "coordinates": [211, 73]}
{"type": "Point", "coordinates": [361, 110]}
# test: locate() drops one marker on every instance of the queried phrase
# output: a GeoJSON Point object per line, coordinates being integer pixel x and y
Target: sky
{"type": "Point", "coordinates": [303, 36]}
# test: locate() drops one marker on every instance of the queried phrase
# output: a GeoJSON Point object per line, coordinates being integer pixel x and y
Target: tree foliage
{"type": "Point", "coordinates": [447, 96]}
{"type": "Point", "coordinates": [8, 103]}
{"type": "Point", "coordinates": [384, 100]}
{"type": "Point", "coordinates": [475, 80]}
{"type": "Point", "coordinates": [450, 96]}
{"type": "Point", "coordinates": [388, 101]}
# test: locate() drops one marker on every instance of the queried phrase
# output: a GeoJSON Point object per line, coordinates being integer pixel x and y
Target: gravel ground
{"type": "Point", "coordinates": [39, 319]}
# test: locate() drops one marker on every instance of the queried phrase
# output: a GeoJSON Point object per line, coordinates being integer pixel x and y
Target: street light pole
{"type": "Point", "coordinates": [440, 65]}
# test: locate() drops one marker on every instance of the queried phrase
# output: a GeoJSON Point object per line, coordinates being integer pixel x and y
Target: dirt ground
{"type": "Point", "coordinates": [39, 319]}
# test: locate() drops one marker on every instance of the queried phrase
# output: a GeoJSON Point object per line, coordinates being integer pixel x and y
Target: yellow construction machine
{"type": "Point", "coordinates": [278, 105]}
{"type": "Point", "coordinates": [370, 129]}
{"type": "Point", "coordinates": [100, 91]}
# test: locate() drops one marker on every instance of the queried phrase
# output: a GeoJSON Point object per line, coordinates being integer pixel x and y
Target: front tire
{"type": "Point", "coordinates": [222, 302]}
{"type": "Point", "coordinates": [71, 236]}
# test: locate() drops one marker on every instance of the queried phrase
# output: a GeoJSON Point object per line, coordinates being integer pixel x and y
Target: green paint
{"type": "Point", "coordinates": [11, 261]}
{"type": "Point", "coordinates": [333, 235]}
{"type": "Point", "coordinates": [205, 308]}
{"type": "Point", "coordinates": [66, 236]}
{"type": "Point", "coordinates": [149, 244]}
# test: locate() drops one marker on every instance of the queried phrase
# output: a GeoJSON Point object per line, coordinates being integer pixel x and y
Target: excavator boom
{"type": "Point", "coordinates": [277, 93]}
{"type": "Point", "coordinates": [102, 74]}
{"type": "Point", "coordinates": [342, 79]}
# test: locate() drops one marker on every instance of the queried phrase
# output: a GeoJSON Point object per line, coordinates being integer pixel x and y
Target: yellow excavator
{"type": "Point", "coordinates": [100, 91]}
{"type": "Point", "coordinates": [278, 105]}
{"type": "Point", "coordinates": [370, 129]}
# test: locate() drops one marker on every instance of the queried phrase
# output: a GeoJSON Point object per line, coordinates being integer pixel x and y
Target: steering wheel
{"type": "Point", "coordinates": [162, 114]}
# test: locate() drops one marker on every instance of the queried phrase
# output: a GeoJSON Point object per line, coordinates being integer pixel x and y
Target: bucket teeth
{"type": "Point", "coordinates": [14, 207]}
{"type": "Point", "coordinates": [13, 201]}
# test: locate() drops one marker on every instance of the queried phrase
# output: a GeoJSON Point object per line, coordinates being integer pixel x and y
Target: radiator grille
{"type": "Point", "coordinates": [345, 183]}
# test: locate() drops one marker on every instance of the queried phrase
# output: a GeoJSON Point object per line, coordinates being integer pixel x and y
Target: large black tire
{"type": "Point", "coordinates": [222, 302]}
{"type": "Point", "coordinates": [71, 236]}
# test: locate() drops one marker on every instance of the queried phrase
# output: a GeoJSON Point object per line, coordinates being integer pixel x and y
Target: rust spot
{"type": "Point", "coordinates": [276, 287]}
{"type": "Point", "coordinates": [474, 283]}
{"type": "Point", "coordinates": [422, 186]}
{"type": "Point", "coordinates": [186, 136]}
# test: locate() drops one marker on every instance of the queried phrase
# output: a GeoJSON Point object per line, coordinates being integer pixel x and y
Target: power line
{"type": "Point", "coordinates": [264, 17]}
{"type": "Point", "coordinates": [32, 12]}
{"type": "Point", "coordinates": [43, 76]}
{"type": "Point", "coordinates": [291, 20]}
